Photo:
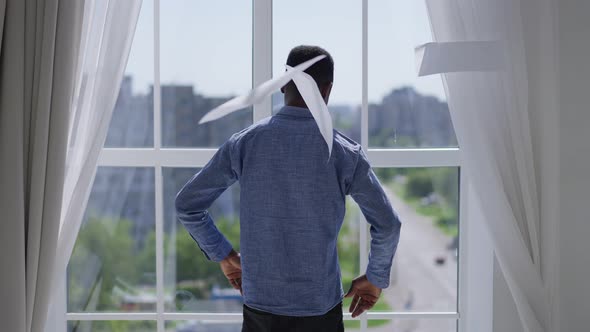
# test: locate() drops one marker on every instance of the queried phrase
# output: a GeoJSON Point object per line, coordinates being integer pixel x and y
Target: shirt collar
{"type": "Point", "coordinates": [294, 111]}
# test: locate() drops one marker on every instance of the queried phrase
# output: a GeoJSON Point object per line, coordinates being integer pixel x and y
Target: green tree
{"type": "Point", "coordinates": [191, 263]}
{"type": "Point", "coordinates": [419, 184]}
{"type": "Point", "coordinates": [108, 243]}
{"type": "Point", "coordinates": [196, 274]}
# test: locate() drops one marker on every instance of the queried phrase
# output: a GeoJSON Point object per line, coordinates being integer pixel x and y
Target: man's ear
{"type": "Point", "coordinates": [283, 87]}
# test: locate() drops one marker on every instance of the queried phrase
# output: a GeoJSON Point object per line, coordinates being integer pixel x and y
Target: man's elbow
{"type": "Point", "coordinates": [187, 210]}
{"type": "Point", "coordinates": [181, 205]}
{"type": "Point", "coordinates": [393, 227]}
{"type": "Point", "coordinates": [397, 224]}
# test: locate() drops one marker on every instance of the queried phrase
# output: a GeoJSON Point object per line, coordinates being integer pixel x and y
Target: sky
{"type": "Point", "coordinates": [208, 44]}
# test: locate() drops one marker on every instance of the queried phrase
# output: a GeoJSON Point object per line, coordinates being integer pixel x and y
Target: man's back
{"type": "Point", "coordinates": [292, 208]}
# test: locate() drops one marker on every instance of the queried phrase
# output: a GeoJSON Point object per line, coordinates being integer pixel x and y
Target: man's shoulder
{"type": "Point", "coordinates": [249, 131]}
{"type": "Point", "coordinates": [347, 144]}
{"type": "Point", "coordinates": [341, 142]}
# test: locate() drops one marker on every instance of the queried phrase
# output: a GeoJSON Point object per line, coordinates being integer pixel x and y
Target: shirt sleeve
{"type": "Point", "coordinates": [385, 228]}
{"type": "Point", "coordinates": [197, 195]}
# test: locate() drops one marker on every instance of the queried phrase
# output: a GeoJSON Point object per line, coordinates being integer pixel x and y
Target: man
{"type": "Point", "coordinates": [292, 207]}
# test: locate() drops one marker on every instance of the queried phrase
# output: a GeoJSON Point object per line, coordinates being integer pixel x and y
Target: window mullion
{"type": "Point", "coordinates": [213, 316]}
{"type": "Point", "coordinates": [192, 157]}
{"type": "Point", "coordinates": [476, 263]}
{"type": "Point", "coordinates": [364, 139]}
{"type": "Point", "coordinates": [462, 253]}
{"type": "Point", "coordinates": [365, 77]}
{"type": "Point", "coordinates": [439, 157]}
{"type": "Point", "coordinates": [158, 186]}
{"type": "Point", "coordinates": [262, 52]}
{"type": "Point", "coordinates": [156, 88]}
{"type": "Point", "coordinates": [159, 216]}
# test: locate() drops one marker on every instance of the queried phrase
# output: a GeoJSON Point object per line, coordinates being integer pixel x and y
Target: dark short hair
{"type": "Point", "coordinates": [321, 71]}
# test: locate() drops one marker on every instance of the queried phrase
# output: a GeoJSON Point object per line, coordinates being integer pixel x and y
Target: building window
{"type": "Point", "coordinates": [135, 268]}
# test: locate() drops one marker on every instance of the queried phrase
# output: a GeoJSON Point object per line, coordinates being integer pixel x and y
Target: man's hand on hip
{"type": "Point", "coordinates": [232, 269]}
{"type": "Point", "coordinates": [364, 295]}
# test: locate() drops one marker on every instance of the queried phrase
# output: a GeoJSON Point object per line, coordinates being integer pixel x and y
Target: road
{"type": "Point", "coordinates": [418, 283]}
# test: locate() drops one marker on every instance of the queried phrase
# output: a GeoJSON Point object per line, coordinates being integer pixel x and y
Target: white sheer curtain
{"type": "Point", "coordinates": [107, 35]}
{"type": "Point", "coordinates": [480, 48]}
{"type": "Point", "coordinates": [40, 40]}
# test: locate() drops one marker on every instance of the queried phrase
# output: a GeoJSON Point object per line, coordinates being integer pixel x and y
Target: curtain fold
{"type": "Point", "coordinates": [491, 115]}
{"type": "Point", "coordinates": [39, 44]}
{"type": "Point", "coordinates": [2, 12]}
{"type": "Point", "coordinates": [12, 151]}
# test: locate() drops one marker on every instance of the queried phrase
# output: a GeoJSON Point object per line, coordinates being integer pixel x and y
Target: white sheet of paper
{"type": "Point", "coordinates": [257, 94]}
{"type": "Point", "coordinates": [464, 56]}
{"type": "Point", "coordinates": [306, 86]}
{"type": "Point", "coordinates": [317, 106]}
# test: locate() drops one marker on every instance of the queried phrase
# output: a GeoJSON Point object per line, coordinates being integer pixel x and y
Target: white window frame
{"type": "Point", "coordinates": [474, 273]}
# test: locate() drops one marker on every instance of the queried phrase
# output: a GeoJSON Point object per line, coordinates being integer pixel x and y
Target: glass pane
{"type": "Point", "coordinates": [112, 326]}
{"type": "Point", "coordinates": [193, 283]}
{"type": "Point", "coordinates": [132, 123]}
{"type": "Point", "coordinates": [113, 265]}
{"type": "Point", "coordinates": [413, 325]}
{"type": "Point", "coordinates": [424, 273]}
{"type": "Point", "coordinates": [404, 110]}
{"type": "Point", "coordinates": [206, 58]}
{"type": "Point", "coordinates": [203, 326]}
{"type": "Point", "coordinates": [340, 35]}
{"type": "Point", "coordinates": [348, 246]}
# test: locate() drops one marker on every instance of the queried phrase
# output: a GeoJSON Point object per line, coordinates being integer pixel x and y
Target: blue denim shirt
{"type": "Point", "coordinates": [292, 205]}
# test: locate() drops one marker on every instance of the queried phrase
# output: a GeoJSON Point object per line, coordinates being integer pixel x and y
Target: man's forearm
{"type": "Point", "coordinates": [203, 230]}
{"type": "Point", "coordinates": [383, 248]}
{"type": "Point", "coordinates": [366, 190]}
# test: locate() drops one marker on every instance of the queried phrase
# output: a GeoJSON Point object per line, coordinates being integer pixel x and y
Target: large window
{"type": "Point", "coordinates": [135, 268]}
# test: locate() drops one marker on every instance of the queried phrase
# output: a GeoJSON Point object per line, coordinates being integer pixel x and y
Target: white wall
{"type": "Point", "coordinates": [574, 148]}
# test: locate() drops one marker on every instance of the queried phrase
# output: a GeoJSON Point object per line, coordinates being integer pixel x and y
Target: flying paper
{"type": "Point", "coordinates": [315, 102]}
{"type": "Point", "coordinates": [307, 88]}
{"type": "Point", "coordinates": [463, 56]}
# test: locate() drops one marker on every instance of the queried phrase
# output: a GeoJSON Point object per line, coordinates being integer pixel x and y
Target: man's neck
{"type": "Point", "coordinates": [296, 103]}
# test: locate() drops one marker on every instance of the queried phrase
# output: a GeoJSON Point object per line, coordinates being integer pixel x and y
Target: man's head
{"type": "Point", "coordinates": [321, 71]}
